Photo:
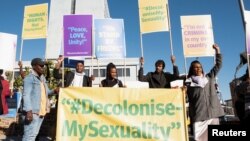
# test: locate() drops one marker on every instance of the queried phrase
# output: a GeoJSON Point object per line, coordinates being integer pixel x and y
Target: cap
{"type": "Point", "coordinates": [37, 61]}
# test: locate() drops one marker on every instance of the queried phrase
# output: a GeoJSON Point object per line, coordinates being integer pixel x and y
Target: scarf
{"type": "Point", "coordinates": [199, 81]}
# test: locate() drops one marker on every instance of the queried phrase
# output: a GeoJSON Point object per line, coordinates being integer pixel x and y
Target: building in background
{"type": "Point", "coordinates": [127, 70]}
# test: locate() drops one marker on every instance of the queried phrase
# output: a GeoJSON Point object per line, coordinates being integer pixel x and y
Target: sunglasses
{"type": "Point", "coordinates": [41, 66]}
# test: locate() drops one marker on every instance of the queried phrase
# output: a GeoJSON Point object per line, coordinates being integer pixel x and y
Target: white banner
{"type": "Point", "coordinates": [8, 44]}
{"type": "Point", "coordinates": [247, 19]}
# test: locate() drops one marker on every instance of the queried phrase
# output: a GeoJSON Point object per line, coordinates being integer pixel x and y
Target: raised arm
{"type": "Point", "coordinates": [56, 73]}
{"type": "Point", "coordinates": [141, 76]}
{"type": "Point", "coordinates": [218, 62]}
{"type": "Point", "coordinates": [22, 73]}
{"type": "Point", "coordinates": [175, 67]}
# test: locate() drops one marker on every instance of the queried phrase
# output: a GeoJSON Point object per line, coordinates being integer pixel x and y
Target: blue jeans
{"type": "Point", "coordinates": [31, 129]}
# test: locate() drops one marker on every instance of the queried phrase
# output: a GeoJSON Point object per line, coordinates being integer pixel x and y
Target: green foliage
{"type": "Point", "coordinates": [51, 81]}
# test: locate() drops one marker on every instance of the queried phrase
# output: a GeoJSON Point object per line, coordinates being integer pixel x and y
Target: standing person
{"type": "Point", "coordinates": [4, 91]}
{"type": "Point", "coordinates": [35, 99]}
{"type": "Point", "coordinates": [204, 104]}
{"type": "Point", "coordinates": [242, 102]}
{"type": "Point", "coordinates": [111, 77]}
{"type": "Point", "coordinates": [159, 78]}
{"type": "Point", "coordinates": [77, 79]}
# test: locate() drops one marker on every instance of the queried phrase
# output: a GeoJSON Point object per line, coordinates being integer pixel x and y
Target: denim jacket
{"type": "Point", "coordinates": [32, 92]}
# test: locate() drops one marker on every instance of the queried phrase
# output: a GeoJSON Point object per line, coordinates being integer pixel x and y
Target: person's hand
{"type": "Point", "coordinates": [29, 116]}
{"type": "Point", "coordinates": [20, 64]}
{"type": "Point", "coordinates": [11, 93]}
{"type": "Point", "coordinates": [59, 62]}
{"type": "Point", "coordinates": [141, 61]}
{"type": "Point", "coordinates": [92, 77]}
{"type": "Point", "coordinates": [175, 87]}
{"type": "Point", "coordinates": [46, 62]}
{"type": "Point", "coordinates": [60, 59]}
{"type": "Point", "coordinates": [56, 90]}
{"type": "Point", "coordinates": [173, 59]}
{"type": "Point", "coordinates": [217, 48]}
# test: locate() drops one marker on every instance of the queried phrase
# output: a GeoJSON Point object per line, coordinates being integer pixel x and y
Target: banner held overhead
{"type": "Point", "coordinates": [109, 38]}
{"type": "Point", "coordinates": [35, 21]}
{"type": "Point", "coordinates": [197, 35]}
{"type": "Point", "coordinates": [153, 16]}
{"type": "Point", "coordinates": [77, 35]}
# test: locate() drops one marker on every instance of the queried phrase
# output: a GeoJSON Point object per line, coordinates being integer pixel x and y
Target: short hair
{"type": "Point", "coordinates": [158, 62]}
{"type": "Point", "coordinates": [80, 61]}
{"type": "Point", "coordinates": [1, 71]}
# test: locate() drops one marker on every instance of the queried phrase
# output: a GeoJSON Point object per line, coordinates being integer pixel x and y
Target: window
{"type": "Point", "coordinates": [86, 71]}
{"type": "Point", "coordinates": [121, 72]}
{"type": "Point", "coordinates": [102, 73]}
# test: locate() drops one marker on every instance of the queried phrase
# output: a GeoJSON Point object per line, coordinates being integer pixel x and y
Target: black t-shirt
{"type": "Point", "coordinates": [111, 83]}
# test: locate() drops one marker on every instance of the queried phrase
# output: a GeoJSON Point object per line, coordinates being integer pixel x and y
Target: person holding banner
{"type": "Point", "coordinates": [22, 73]}
{"type": "Point", "coordinates": [159, 78]}
{"type": "Point", "coordinates": [111, 77]}
{"type": "Point", "coordinates": [4, 91]}
{"type": "Point", "coordinates": [77, 79]}
{"type": "Point", "coordinates": [204, 104]}
{"type": "Point", "coordinates": [35, 100]}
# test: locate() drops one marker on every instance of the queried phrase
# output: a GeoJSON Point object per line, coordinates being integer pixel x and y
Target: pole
{"type": "Point", "coordinates": [245, 25]}
{"type": "Point", "coordinates": [170, 32]}
{"type": "Point", "coordinates": [21, 51]}
{"type": "Point", "coordinates": [98, 69]}
{"type": "Point", "coordinates": [73, 6]}
{"type": "Point", "coordinates": [91, 69]}
{"type": "Point", "coordinates": [125, 71]}
{"type": "Point", "coordinates": [185, 60]}
{"type": "Point", "coordinates": [62, 44]}
{"type": "Point", "coordinates": [141, 42]}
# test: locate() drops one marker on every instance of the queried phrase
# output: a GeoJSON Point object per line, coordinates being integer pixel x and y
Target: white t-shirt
{"type": "Point", "coordinates": [78, 79]}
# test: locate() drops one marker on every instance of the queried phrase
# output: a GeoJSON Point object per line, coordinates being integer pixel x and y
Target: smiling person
{"type": "Point", "coordinates": [204, 104]}
{"type": "Point", "coordinates": [159, 78]}
{"type": "Point", "coordinates": [111, 77]}
{"type": "Point", "coordinates": [35, 99]}
{"type": "Point", "coordinates": [77, 79]}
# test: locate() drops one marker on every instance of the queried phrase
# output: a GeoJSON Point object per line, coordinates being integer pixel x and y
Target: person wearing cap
{"type": "Point", "coordinates": [4, 91]}
{"type": "Point", "coordinates": [77, 79]}
{"type": "Point", "coordinates": [35, 99]}
{"type": "Point", "coordinates": [159, 78]}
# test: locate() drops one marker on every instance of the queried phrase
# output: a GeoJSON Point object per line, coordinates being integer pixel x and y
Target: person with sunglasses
{"type": "Point", "coordinates": [35, 99]}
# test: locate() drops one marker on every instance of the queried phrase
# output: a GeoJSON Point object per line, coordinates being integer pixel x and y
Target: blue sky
{"type": "Point", "coordinates": [227, 28]}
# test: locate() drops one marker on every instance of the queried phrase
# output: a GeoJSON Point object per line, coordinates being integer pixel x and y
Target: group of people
{"type": "Point", "coordinates": [35, 90]}
{"type": "Point", "coordinates": [204, 105]}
